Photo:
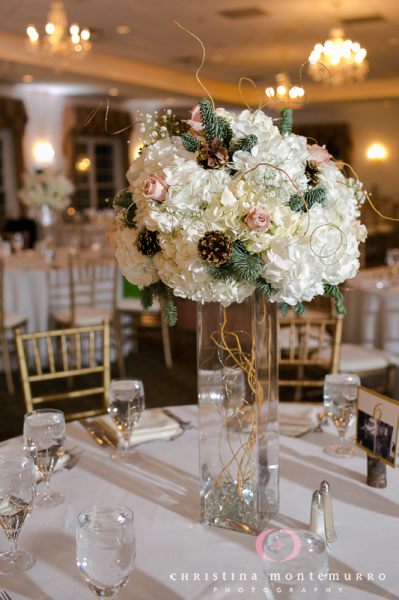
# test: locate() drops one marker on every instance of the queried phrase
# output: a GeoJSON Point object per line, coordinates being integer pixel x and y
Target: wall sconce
{"type": "Point", "coordinates": [376, 152]}
{"type": "Point", "coordinates": [43, 152]}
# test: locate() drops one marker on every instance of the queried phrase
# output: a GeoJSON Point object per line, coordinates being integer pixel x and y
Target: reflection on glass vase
{"type": "Point", "coordinates": [238, 413]}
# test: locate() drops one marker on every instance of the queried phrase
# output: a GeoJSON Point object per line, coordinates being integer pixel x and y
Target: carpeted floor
{"type": "Point", "coordinates": [162, 387]}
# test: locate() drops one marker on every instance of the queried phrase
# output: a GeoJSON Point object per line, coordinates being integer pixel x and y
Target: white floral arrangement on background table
{"type": "Point", "coordinates": [224, 203]}
{"type": "Point", "coordinates": [46, 187]}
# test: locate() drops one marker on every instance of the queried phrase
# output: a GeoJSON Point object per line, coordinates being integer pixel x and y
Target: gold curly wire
{"type": "Point", "coordinates": [368, 198]}
{"type": "Point", "coordinates": [202, 63]}
{"type": "Point", "coordinates": [242, 95]}
{"type": "Point", "coordinates": [95, 111]}
{"type": "Point", "coordinates": [335, 251]}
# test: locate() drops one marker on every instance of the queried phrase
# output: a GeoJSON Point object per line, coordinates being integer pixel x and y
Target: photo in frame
{"type": "Point", "coordinates": [377, 425]}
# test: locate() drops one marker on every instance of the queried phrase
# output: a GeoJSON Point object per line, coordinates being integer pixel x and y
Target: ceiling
{"type": "Point", "coordinates": [274, 37]}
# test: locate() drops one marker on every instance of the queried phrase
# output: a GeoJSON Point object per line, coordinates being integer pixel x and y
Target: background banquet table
{"type": "Point", "coordinates": [161, 487]}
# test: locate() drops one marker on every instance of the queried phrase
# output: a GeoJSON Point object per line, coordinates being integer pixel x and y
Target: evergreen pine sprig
{"type": "Point", "coordinates": [299, 308]}
{"type": "Point", "coordinates": [265, 287]}
{"type": "Point", "coordinates": [312, 197]}
{"type": "Point", "coordinates": [190, 143]}
{"type": "Point", "coordinates": [165, 297]}
{"type": "Point", "coordinates": [286, 120]}
{"type": "Point", "coordinates": [242, 265]}
{"type": "Point", "coordinates": [246, 144]}
{"type": "Point", "coordinates": [123, 199]}
{"type": "Point", "coordinates": [248, 267]}
{"type": "Point", "coordinates": [333, 291]}
{"type": "Point", "coordinates": [284, 308]}
{"type": "Point", "coordinates": [214, 126]}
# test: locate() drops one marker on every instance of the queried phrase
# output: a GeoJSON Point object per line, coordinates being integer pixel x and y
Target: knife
{"type": "Point", "coordinates": [109, 434]}
{"type": "Point", "coordinates": [183, 424]}
{"type": "Point", "coordinates": [94, 431]}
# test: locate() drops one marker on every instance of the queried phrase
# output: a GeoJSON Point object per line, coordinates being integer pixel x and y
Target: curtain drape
{"type": "Point", "coordinates": [13, 116]}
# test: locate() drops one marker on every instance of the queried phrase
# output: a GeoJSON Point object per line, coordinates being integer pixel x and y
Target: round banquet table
{"type": "Point", "coordinates": [177, 557]}
{"type": "Point", "coordinates": [26, 285]}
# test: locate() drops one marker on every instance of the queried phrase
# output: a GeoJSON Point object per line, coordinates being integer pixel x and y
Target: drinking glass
{"type": "Point", "coordinates": [286, 553]}
{"type": "Point", "coordinates": [17, 493]}
{"type": "Point", "coordinates": [105, 548]}
{"type": "Point", "coordinates": [44, 441]}
{"type": "Point", "coordinates": [392, 260]}
{"type": "Point", "coordinates": [18, 242]}
{"type": "Point", "coordinates": [340, 395]}
{"type": "Point", "coordinates": [125, 405]}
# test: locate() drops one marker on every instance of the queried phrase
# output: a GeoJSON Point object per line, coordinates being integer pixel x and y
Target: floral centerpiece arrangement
{"type": "Point", "coordinates": [46, 187]}
{"type": "Point", "coordinates": [224, 203]}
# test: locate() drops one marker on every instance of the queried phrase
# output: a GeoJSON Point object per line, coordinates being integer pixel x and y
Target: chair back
{"type": "Point", "coordinates": [93, 284]}
{"type": "Point", "coordinates": [69, 341]}
{"type": "Point", "coordinates": [300, 342]}
{"type": "Point", "coordinates": [1, 294]}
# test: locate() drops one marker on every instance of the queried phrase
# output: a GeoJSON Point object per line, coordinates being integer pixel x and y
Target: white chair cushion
{"type": "Point", "coordinates": [134, 305]}
{"type": "Point", "coordinates": [13, 319]}
{"type": "Point", "coordinates": [358, 359]}
{"type": "Point", "coordinates": [84, 316]}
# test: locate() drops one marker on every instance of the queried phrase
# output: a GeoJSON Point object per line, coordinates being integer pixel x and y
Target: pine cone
{"type": "Point", "coordinates": [212, 155]}
{"type": "Point", "coordinates": [215, 247]}
{"type": "Point", "coordinates": [147, 243]}
{"type": "Point", "coordinates": [312, 172]}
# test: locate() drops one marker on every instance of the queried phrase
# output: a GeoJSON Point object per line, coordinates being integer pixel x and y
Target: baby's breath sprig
{"type": "Point", "coordinates": [159, 127]}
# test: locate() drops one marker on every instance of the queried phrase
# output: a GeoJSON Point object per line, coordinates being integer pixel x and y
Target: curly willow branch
{"type": "Point", "coordinates": [320, 256]}
{"type": "Point", "coordinates": [202, 63]}
{"type": "Point", "coordinates": [368, 198]}
{"type": "Point", "coordinates": [295, 186]}
{"type": "Point", "coordinates": [245, 362]}
{"type": "Point", "coordinates": [242, 95]}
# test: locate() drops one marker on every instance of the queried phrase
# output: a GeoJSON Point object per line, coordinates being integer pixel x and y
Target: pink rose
{"type": "Point", "coordinates": [111, 236]}
{"type": "Point", "coordinates": [195, 121]}
{"type": "Point", "coordinates": [154, 188]}
{"type": "Point", "coordinates": [258, 219]}
{"type": "Point", "coordinates": [319, 155]}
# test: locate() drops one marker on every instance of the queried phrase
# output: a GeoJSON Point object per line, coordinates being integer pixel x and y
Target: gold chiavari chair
{"type": "Point", "coordinates": [71, 366]}
{"type": "Point", "coordinates": [301, 345]}
{"type": "Point", "coordinates": [9, 321]}
{"type": "Point", "coordinates": [93, 287]}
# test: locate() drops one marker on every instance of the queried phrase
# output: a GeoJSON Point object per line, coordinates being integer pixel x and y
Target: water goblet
{"type": "Point", "coordinates": [288, 553]}
{"type": "Point", "coordinates": [106, 548]}
{"type": "Point", "coordinates": [340, 395]}
{"type": "Point", "coordinates": [17, 494]}
{"type": "Point", "coordinates": [125, 405]}
{"type": "Point", "coordinates": [44, 441]}
{"type": "Point", "coordinates": [18, 242]}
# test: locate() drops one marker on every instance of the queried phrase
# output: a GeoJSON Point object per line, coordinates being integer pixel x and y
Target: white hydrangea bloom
{"type": "Point", "coordinates": [47, 186]}
{"type": "Point", "coordinates": [301, 251]}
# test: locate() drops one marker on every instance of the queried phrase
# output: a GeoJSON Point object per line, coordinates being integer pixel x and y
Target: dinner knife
{"type": "Point", "coordinates": [94, 431]}
{"type": "Point", "coordinates": [183, 424]}
{"type": "Point", "coordinates": [109, 434]}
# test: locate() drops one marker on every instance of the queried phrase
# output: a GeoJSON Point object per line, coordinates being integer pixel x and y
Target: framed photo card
{"type": "Point", "coordinates": [377, 425]}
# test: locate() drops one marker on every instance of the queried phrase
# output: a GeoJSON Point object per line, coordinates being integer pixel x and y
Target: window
{"type": "Point", "coordinates": [8, 202]}
{"type": "Point", "coordinates": [99, 171]}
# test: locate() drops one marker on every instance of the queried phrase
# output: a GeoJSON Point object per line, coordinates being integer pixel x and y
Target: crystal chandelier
{"type": "Point", "coordinates": [284, 94]}
{"type": "Point", "coordinates": [59, 44]}
{"type": "Point", "coordinates": [343, 58]}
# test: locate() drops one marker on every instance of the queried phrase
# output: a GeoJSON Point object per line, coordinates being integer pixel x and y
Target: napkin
{"type": "Point", "coordinates": [15, 446]}
{"type": "Point", "coordinates": [296, 419]}
{"type": "Point", "coordinates": [154, 425]}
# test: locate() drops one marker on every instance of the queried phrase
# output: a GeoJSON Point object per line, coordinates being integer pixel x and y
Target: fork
{"type": "Point", "coordinates": [5, 596]}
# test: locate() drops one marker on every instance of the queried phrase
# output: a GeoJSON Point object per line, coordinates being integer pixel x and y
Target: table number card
{"type": "Point", "coordinates": [377, 425]}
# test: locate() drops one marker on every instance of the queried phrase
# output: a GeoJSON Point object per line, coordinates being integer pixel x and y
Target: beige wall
{"type": "Point", "coordinates": [371, 122]}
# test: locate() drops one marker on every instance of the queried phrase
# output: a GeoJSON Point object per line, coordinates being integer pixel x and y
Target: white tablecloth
{"type": "Point", "coordinates": [162, 489]}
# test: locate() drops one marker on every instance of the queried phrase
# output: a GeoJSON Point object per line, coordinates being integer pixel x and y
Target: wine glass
{"type": "Point", "coordinates": [17, 494]}
{"type": "Point", "coordinates": [44, 441]}
{"type": "Point", "coordinates": [340, 395]}
{"type": "Point", "coordinates": [18, 242]}
{"type": "Point", "coordinates": [105, 548]}
{"type": "Point", "coordinates": [125, 405]}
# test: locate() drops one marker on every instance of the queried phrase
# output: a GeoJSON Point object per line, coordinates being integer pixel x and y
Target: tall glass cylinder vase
{"type": "Point", "coordinates": [238, 413]}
